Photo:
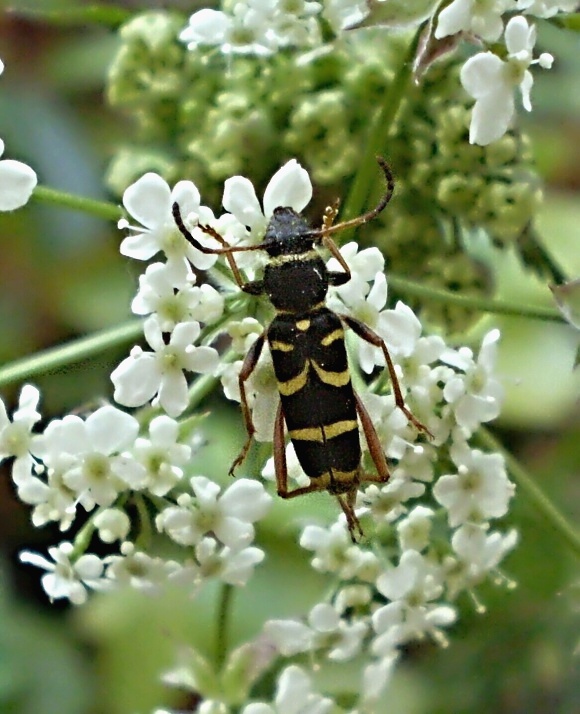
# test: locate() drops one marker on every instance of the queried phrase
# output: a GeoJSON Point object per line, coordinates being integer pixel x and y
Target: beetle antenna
{"type": "Point", "coordinates": [366, 217]}
{"type": "Point", "coordinates": [208, 230]}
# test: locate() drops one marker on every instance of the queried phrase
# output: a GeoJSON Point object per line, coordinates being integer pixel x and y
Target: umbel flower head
{"type": "Point", "coordinates": [440, 504]}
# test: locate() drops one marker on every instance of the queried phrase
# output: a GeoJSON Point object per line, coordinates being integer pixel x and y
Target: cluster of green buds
{"type": "Point", "coordinates": [206, 116]}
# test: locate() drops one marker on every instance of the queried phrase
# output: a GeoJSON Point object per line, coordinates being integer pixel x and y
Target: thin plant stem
{"type": "Point", "coordinates": [222, 623]}
{"type": "Point", "coordinates": [500, 307]}
{"type": "Point", "coordinates": [530, 489]}
{"type": "Point", "coordinates": [101, 209]}
{"type": "Point", "coordinates": [377, 138]}
{"type": "Point", "coordinates": [57, 357]}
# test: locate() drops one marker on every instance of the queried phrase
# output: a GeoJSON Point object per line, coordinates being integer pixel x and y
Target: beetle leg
{"type": "Point", "coordinates": [371, 336]}
{"type": "Point", "coordinates": [248, 367]}
{"type": "Point", "coordinates": [347, 503]}
{"type": "Point", "coordinates": [375, 449]}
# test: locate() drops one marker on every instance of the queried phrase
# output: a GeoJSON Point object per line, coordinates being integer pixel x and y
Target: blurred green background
{"type": "Point", "coordinates": [61, 276]}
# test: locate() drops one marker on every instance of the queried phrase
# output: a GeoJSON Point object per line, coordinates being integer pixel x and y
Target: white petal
{"type": "Point", "coordinates": [246, 499]}
{"type": "Point", "coordinates": [491, 118]}
{"type": "Point", "coordinates": [525, 89]}
{"type": "Point", "coordinates": [204, 360]}
{"type": "Point", "coordinates": [173, 393]}
{"type": "Point", "coordinates": [519, 36]}
{"type": "Point", "coordinates": [186, 194]}
{"type": "Point", "coordinates": [453, 18]}
{"type": "Point", "coordinates": [482, 74]}
{"type": "Point", "coordinates": [206, 26]}
{"type": "Point", "coordinates": [136, 380]}
{"type": "Point", "coordinates": [17, 182]}
{"type": "Point", "coordinates": [140, 246]}
{"type": "Point", "coordinates": [110, 429]}
{"type": "Point", "coordinates": [289, 186]}
{"type": "Point", "coordinates": [240, 199]}
{"type": "Point", "coordinates": [148, 200]}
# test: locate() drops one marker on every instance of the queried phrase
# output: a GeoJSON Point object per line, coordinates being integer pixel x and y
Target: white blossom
{"type": "Point", "coordinates": [139, 570]}
{"type": "Point", "coordinates": [112, 524]}
{"type": "Point", "coordinates": [546, 8]}
{"type": "Point", "coordinates": [325, 629]}
{"type": "Point", "coordinates": [294, 695]}
{"type": "Point", "coordinates": [258, 27]}
{"type": "Point", "coordinates": [228, 516]}
{"type": "Point", "coordinates": [143, 375]}
{"type": "Point", "coordinates": [476, 395]}
{"type": "Point", "coordinates": [162, 457]}
{"type": "Point", "coordinates": [482, 18]}
{"type": "Point", "coordinates": [480, 489]}
{"type": "Point", "coordinates": [17, 182]}
{"type": "Point", "coordinates": [150, 201]}
{"type": "Point", "coordinates": [480, 551]}
{"type": "Point", "coordinates": [67, 577]}
{"type": "Point", "coordinates": [414, 531]}
{"type": "Point", "coordinates": [412, 587]}
{"type": "Point", "coordinates": [174, 298]}
{"type": "Point", "coordinates": [86, 453]}
{"type": "Point", "coordinates": [491, 81]}
{"type": "Point", "coordinates": [16, 435]}
{"type": "Point", "coordinates": [233, 566]}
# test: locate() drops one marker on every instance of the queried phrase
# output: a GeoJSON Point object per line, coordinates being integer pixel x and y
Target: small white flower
{"type": "Point", "coordinates": [16, 435]}
{"type": "Point", "coordinates": [17, 182]}
{"type": "Point", "coordinates": [161, 455]}
{"type": "Point", "coordinates": [66, 578]}
{"type": "Point", "coordinates": [412, 587]}
{"type": "Point", "coordinates": [294, 695]}
{"type": "Point", "coordinates": [143, 375]}
{"type": "Point", "coordinates": [414, 531]}
{"type": "Point", "coordinates": [228, 517]}
{"type": "Point", "coordinates": [334, 552]}
{"type": "Point", "coordinates": [476, 395]}
{"type": "Point", "coordinates": [175, 298]}
{"type": "Point", "coordinates": [480, 489]}
{"type": "Point", "coordinates": [112, 524]}
{"type": "Point", "coordinates": [386, 502]}
{"type": "Point", "coordinates": [491, 81]}
{"type": "Point", "coordinates": [482, 18]}
{"type": "Point", "coordinates": [150, 201]}
{"type": "Point", "coordinates": [344, 14]}
{"type": "Point", "coordinates": [233, 566]}
{"type": "Point", "coordinates": [480, 551]}
{"type": "Point", "coordinates": [85, 452]}
{"type": "Point", "coordinates": [290, 186]}
{"type": "Point", "coordinates": [546, 8]}
{"type": "Point", "coordinates": [325, 630]}
{"type": "Point", "coordinates": [139, 570]}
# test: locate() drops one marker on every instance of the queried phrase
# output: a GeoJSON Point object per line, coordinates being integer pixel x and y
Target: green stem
{"type": "Point", "coordinates": [533, 492]}
{"type": "Point", "coordinates": [501, 307]}
{"type": "Point", "coordinates": [101, 209]}
{"type": "Point", "coordinates": [75, 351]}
{"type": "Point", "coordinates": [379, 132]}
{"type": "Point", "coordinates": [222, 624]}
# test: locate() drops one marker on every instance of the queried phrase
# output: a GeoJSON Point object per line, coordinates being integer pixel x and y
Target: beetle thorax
{"type": "Point", "coordinates": [296, 283]}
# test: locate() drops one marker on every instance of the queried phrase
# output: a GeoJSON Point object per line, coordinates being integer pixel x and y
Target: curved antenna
{"type": "Point", "coordinates": [323, 232]}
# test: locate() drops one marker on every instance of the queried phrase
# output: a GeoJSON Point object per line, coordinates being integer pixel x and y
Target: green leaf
{"type": "Point", "coordinates": [107, 15]}
{"type": "Point", "coordinates": [569, 22]}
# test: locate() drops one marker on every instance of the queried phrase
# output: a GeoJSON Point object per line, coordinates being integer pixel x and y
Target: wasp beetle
{"type": "Point", "coordinates": [321, 411]}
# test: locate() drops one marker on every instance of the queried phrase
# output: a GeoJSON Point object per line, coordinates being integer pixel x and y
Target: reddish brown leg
{"type": "Point", "coordinates": [248, 367]}
{"type": "Point", "coordinates": [371, 336]}
{"type": "Point", "coordinates": [375, 449]}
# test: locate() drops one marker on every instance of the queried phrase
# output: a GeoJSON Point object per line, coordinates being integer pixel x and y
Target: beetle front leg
{"type": "Point", "coordinates": [371, 337]}
{"type": "Point", "coordinates": [249, 365]}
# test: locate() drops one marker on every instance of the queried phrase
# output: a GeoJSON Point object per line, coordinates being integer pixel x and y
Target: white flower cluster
{"type": "Point", "coordinates": [17, 180]}
{"type": "Point", "coordinates": [100, 465]}
{"type": "Point", "coordinates": [261, 27]}
{"type": "Point", "coordinates": [433, 517]}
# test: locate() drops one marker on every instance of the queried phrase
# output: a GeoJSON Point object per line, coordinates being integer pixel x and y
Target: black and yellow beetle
{"type": "Point", "coordinates": [321, 410]}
